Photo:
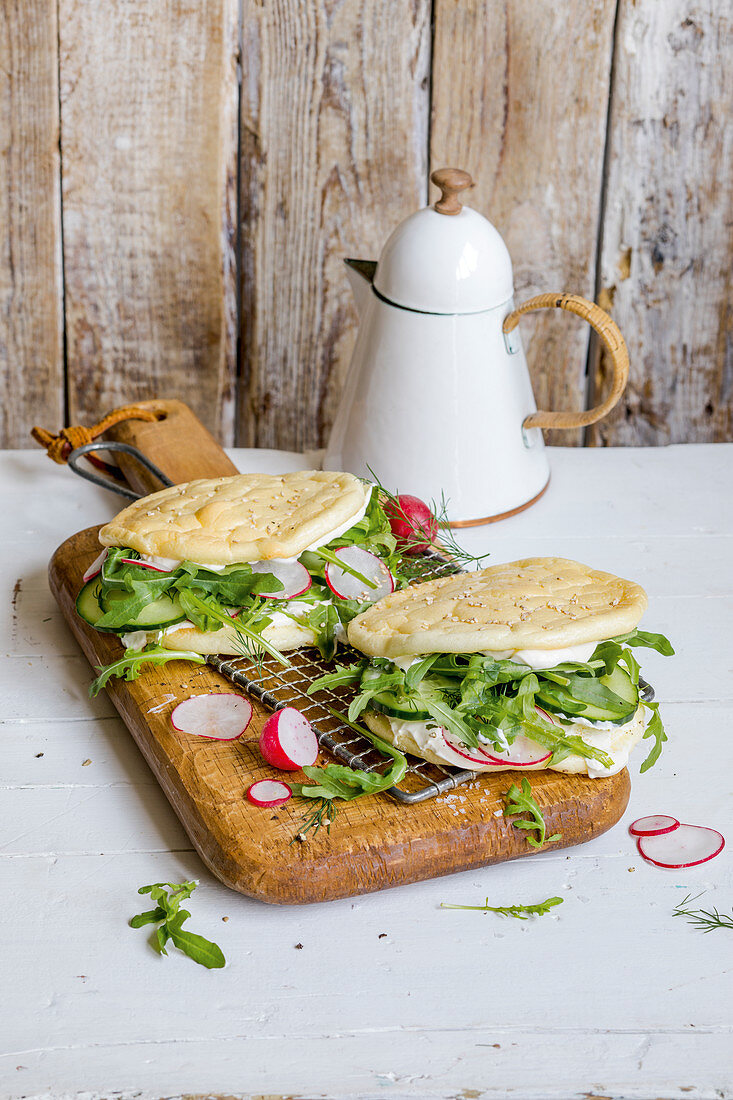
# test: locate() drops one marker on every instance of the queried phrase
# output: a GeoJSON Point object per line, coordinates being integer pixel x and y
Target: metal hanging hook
{"type": "Point", "coordinates": [106, 482]}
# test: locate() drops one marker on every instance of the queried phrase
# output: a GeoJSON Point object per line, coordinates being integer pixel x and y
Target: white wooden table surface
{"type": "Point", "coordinates": [389, 995]}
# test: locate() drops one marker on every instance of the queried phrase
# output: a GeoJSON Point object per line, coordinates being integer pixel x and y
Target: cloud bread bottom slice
{"type": "Point", "coordinates": [535, 603]}
{"type": "Point", "coordinates": [226, 642]}
{"type": "Point", "coordinates": [620, 741]}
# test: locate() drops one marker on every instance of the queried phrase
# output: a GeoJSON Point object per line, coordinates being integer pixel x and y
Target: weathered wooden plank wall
{"type": "Point", "coordinates": [148, 126]}
{"type": "Point", "coordinates": [668, 224]}
{"type": "Point", "coordinates": [352, 81]}
{"type": "Point", "coordinates": [31, 313]}
{"type": "Point", "coordinates": [579, 137]}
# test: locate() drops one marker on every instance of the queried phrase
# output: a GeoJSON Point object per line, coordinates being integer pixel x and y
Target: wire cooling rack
{"type": "Point", "coordinates": [279, 687]}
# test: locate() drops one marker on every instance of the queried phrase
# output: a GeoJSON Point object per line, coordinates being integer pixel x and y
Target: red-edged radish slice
{"type": "Point", "coordinates": [269, 792]}
{"type": "Point", "coordinates": [295, 578]}
{"type": "Point", "coordinates": [545, 714]}
{"type": "Point", "coordinates": [522, 753]}
{"type": "Point", "coordinates": [685, 846]}
{"type": "Point", "coordinates": [96, 567]}
{"type": "Point", "coordinates": [147, 565]}
{"type": "Point", "coordinates": [654, 825]}
{"type": "Point", "coordinates": [412, 523]}
{"type": "Point", "coordinates": [468, 752]}
{"type": "Point", "coordinates": [348, 587]}
{"type": "Point", "coordinates": [218, 716]}
{"type": "Point", "coordinates": [287, 740]}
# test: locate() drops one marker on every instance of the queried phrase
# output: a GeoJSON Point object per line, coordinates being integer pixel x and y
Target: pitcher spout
{"type": "Point", "coordinates": [361, 276]}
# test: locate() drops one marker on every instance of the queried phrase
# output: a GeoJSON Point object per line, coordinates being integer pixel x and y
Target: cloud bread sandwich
{"type": "Point", "coordinates": [525, 665]}
{"type": "Point", "coordinates": [241, 564]}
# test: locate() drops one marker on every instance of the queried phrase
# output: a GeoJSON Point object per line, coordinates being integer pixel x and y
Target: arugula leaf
{"type": "Point", "coordinates": [656, 730]}
{"type": "Point", "coordinates": [521, 912]}
{"type": "Point", "coordinates": [649, 641]}
{"type": "Point", "coordinates": [338, 781]}
{"type": "Point", "coordinates": [130, 664]}
{"type": "Point", "coordinates": [519, 802]}
{"type": "Point", "coordinates": [169, 896]}
{"type": "Point", "coordinates": [203, 608]}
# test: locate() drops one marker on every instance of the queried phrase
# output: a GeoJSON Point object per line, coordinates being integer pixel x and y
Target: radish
{"type": "Point", "coordinates": [522, 753]}
{"type": "Point", "coordinates": [287, 740]}
{"type": "Point", "coordinates": [295, 578]}
{"type": "Point", "coordinates": [653, 825]}
{"type": "Point", "coordinates": [348, 587]}
{"type": "Point", "coordinates": [467, 752]}
{"type": "Point", "coordinates": [412, 523]}
{"type": "Point", "coordinates": [144, 565]}
{"type": "Point", "coordinates": [218, 716]}
{"type": "Point", "coordinates": [685, 846]}
{"type": "Point", "coordinates": [96, 567]}
{"type": "Point", "coordinates": [269, 792]}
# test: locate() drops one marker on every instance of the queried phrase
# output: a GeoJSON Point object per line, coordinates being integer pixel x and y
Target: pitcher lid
{"type": "Point", "coordinates": [446, 258]}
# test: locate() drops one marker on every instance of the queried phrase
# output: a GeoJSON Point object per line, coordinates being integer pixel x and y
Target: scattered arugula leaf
{"type": "Point", "coordinates": [129, 665]}
{"type": "Point", "coordinates": [705, 920]}
{"type": "Point", "coordinates": [519, 802]}
{"type": "Point", "coordinates": [170, 916]}
{"type": "Point", "coordinates": [521, 912]}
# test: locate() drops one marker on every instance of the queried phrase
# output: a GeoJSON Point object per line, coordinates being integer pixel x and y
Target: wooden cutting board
{"type": "Point", "coordinates": [374, 842]}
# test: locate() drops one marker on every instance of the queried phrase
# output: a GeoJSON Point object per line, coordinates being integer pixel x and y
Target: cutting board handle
{"type": "Point", "coordinates": [176, 441]}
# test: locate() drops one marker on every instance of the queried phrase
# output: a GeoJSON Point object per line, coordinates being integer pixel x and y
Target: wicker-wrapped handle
{"type": "Point", "coordinates": [608, 331]}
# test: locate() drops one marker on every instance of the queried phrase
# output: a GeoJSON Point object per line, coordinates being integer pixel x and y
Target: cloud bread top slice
{"type": "Point", "coordinates": [247, 517]}
{"type": "Point", "coordinates": [536, 603]}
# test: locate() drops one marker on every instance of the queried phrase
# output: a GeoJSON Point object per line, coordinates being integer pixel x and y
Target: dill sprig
{"type": "Point", "coordinates": [319, 817]}
{"type": "Point", "coordinates": [705, 920]}
{"type": "Point", "coordinates": [520, 912]}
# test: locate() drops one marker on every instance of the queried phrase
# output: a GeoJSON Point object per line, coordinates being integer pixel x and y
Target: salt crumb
{"type": "Point", "coordinates": [85, 763]}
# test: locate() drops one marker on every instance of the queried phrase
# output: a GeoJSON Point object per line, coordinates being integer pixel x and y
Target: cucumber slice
{"type": "Point", "coordinates": [156, 615]}
{"type": "Point", "coordinates": [395, 705]}
{"type": "Point", "coordinates": [618, 682]}
{"type": "Point", "coordinates": [87, 602]}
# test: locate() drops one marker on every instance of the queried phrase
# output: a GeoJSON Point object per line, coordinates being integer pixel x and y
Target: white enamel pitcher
{"type": "Point", "coordinates": [438, 398]}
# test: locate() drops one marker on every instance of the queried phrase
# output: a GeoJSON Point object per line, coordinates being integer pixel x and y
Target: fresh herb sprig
{"type": "Point", "coordinates": [520, 912]}
{"type": "Point", "coordinates": [705, 920]}
{"type": "Point", "coordinates": [316, 818]}
{"type": "Point", "coordinates": [170, 918]}
{"type": "Point", "coordinates": [129, 665]}
{"type": "Point", "coordinates": [520, 802]}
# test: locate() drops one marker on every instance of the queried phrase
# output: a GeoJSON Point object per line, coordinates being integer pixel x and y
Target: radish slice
{"type": "Point", "coordinates": [654, 825]}
{"type": "Point", "coordinates": [522, 753]}
{"type": "Point", "coordinates": [217, 716]}
{"type": "Point", "coordinates": [348, 587]}
{"type": "Point", "coordinates": [96, 567]}
{"type": "Point", "coordinates": [145, 565]}
{"type": "Point", "coordinates": [685, 846]}
{"type": "Point", "coordinates": [287, 740]}
{"type": "Point", "coordinates": [295, 578]}
{"type": "Point", "coordinates": [269, 792]}
{"type": "Point", "coordinates": [468, 752]}
{"type": "Point", "coordinates": [544, 714]}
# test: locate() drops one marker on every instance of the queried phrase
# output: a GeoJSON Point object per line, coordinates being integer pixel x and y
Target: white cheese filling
{"type": "Point", "coordinates": [534, 658]}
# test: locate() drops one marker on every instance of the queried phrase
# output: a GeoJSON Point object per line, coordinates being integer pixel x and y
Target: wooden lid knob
{"type": "Point", "coordinates": [451, 182]}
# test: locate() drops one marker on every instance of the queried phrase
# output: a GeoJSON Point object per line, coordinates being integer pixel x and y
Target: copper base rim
{"type": "Point", "coordinates": [502, 515]}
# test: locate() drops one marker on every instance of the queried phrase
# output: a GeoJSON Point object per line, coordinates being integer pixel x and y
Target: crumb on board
{"type": "Point", "coordinates": [299, 947]}
{"type": "Point", "coordinates": [85, 763]}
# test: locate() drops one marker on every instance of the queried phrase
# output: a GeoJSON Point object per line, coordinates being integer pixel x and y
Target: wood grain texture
{"type": "Point", "coordinates": [148, 113]}
{"type": "Point", "coordinates": [31, 311]}
{"type": "Point", "coordinates": [667, 232]}
{"type": "Point", "coordinates": [374, 842]}
{"type": "Point", "coordinates": [519, 100]}
{"type": "Point", "coordinates": [333, 156]}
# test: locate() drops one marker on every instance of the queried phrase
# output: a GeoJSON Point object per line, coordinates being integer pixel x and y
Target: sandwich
{"type": "Point", "coordinates": [249, 564]}
{"type": "Point", "coordinates": [526, 665]}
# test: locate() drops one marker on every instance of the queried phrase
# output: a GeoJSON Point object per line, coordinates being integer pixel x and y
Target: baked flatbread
{"type": "Point", "coordinates": [617, 742]}
{"type": "Point", "coordinates": [536, 603]}
{"type": "Point", "coordinates": [244, 518]}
